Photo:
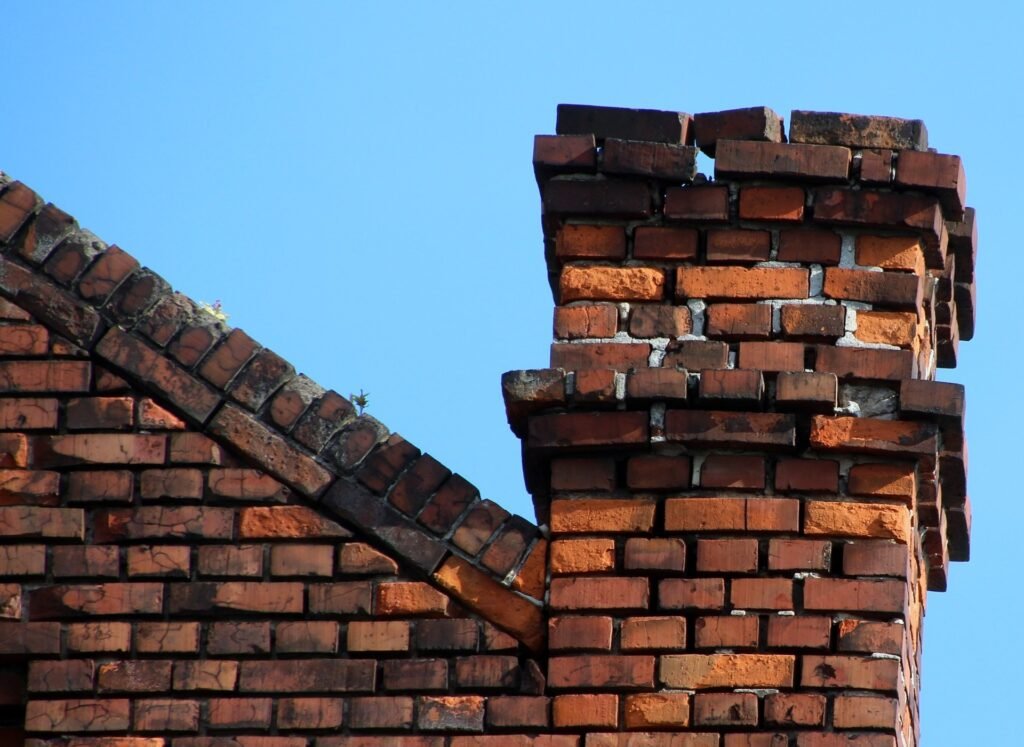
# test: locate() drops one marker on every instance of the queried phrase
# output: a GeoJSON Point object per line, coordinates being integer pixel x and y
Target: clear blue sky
{"type": "Point", "coordinates": [353, 182]}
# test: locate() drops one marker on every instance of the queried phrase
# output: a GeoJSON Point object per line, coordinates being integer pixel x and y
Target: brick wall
{"type": "Point", "coordinates": [751, 478]}
{"type": "Point", "coordinates": [746, 479]}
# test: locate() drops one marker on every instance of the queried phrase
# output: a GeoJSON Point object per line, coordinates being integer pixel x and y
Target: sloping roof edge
{"type": "Point", "coordinates": [248, 398]}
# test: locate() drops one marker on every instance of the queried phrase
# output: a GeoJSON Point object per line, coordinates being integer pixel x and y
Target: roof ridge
{"type": "Point", "coordinates": [248, 397]}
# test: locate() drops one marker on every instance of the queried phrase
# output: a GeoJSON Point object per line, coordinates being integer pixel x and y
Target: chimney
{"type": "Point", "coordinates": [750, 475]}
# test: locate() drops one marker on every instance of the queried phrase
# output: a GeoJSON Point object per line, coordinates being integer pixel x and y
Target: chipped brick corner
{"type": "Point", "coordinates": [747, 476]}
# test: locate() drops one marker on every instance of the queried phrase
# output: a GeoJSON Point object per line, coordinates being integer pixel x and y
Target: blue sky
{"type": "Point", "coordinates": [353, 182]}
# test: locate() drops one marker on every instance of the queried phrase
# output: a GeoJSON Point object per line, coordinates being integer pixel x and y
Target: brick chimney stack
{"type": "Point", "coordinates": [750, 475]}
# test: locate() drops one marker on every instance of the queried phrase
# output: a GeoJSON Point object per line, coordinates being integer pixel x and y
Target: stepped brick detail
{"type": "Point", "coordinates": [745, 476]}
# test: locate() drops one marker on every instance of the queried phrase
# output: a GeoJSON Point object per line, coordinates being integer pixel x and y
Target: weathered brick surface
{"type": "Point", "coordinates": [201, 546]}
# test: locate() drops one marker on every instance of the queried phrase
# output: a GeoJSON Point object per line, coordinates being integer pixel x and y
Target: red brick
{"type": "Point", "coordinates": [807, 475]}
{"type": "Point", "coordinates": [799, 555]}
{"type": "Point", "coordinates": [728, 245]}
{"type": "Point", "coordinates": [159, 522]}
{"type": "Point", "coordinates": [659, 321]}
{"type": "Point", "coordinates": [514, 711]}
{"type": "Point", "coordinates": [482, 671]}
{"type": "Point", "coordinates": [233, 482]}
{"type": "Point", "coordinates": [727, 555]}
{"type": "Point", "coordinates": [23, 339]}
{"type": "Point", "coordinates": [741, 282]}
{"type": "Point", "coordinates": [44, 376]}
{"type": "Point", "coordinates": [81, 715]}
{"type": "Point", "coordinates": [602, 515]}
{"type": "Point", "coordinates": [807, 390]}
{"type": "Point", "coordinates": [588, 429]}
{"type": "Point", "coordinates": [887, 288]}
{"type": "Point", "coordinates": [876, 166]}
{"type": "Point", "coordinates": [654, 553]}
{"type": "Point", "coordinates": [587, 320]}
{"type": "Point", "coordinates": [229, 357]}
{"type": "Point", "coordinates": [653, 472]}
{"type": "Point", "coordinates": [242, 713]}
{"type": "Point", "coordinates": [875, 558]}
{"type": "Point", "coordinates": [403, 675]}
{"type": "Point", "coordinates": [107, 637]}
{"type": "Point", "coordinates": [696, 355]}
{"type": "Point", "coordinates": [227, 638]}
{"type": "Point", "coordinates": [594, 385]}
{"type": "Point", "coordinates": [100, 448]}
{"type": "Point", "coordinates": [655, 383]}
{"type": "Point", "coordinates": [697, 203]}
{"type": "Point", "coordinates": [580, 633]}
{"type": "Point", "coordinates": [653, 633]}
{"type": "Point", "coordinates": [762, 593]}
{"type": "Point", "coordinates": [738, 158]}
{"type": "Point", "coordinates": [380, 713]}
{"type": "Point", "coordinates": [601, 671]}
{"type": "Point", "coordinates": [611, 355]}
{"type": "Point", "coordinates": [772, 203]}
{"type": "Point", "coordinates": [450, 713]}
{"type": "Point", "coordinates": [582, 473]}
{"type": "Point", "coordinates": [16, 205]}
{"type": "Point", "coordinates": [271, 451]}
{"type": "Point", "coordinates": [358, 558]}
{"type": "Point", "coordinates": [164, 560]}
{"type": "Point", "coordinates": [167, 637]}
{"type": "Point", "coordinates": [209, 674]}
{"type": "Point", "coordinates": [194, 448]}
{"type": "Point", "coordinates": [898, 481]}
{"type": "Point", "coordinates": [719, 428]}
{"type": "Point", "coordinates": [857, 131]}
{"type": "Point", "coordinates": [859, 363]}
{"type": "Point", "coordinates": [28, 413]}
{"type": "Point", "coordinates": [794, 709]}
{"type": "Point", "coordinates": [378, 635]}
{"type": "Point", "coordinates": [242, 560]}
{"type": "Point", "coordinates": [166, 715]}
{"type": "Point", "coordinates": [585, 711]}
{"type": "Point", "coordinates": [574, 196]}
{"type": "Point", "coordinates": [61, 601]}
{"type": "Point", "coordinates": [771, 356]}
{"type": "Point", "coordinates": [75, 675]}
{"type": "Point", "coordinates": [799, 631]}
{"type": "Point", "coordinates": [725, 709]}
{"type": "Point", "coordinates": [739, 321]}
{"type": "Point", "coordinates": [578, 151]}
{"type": "Point", "coordinates": [188, 394]}
{"type": "Point", "coordinates": [22, 560]}
{"type": "Point", "coordinates": [171, 483]}
{"type": "Point", "coordinates": [855, 595]}
{"type": "Point", "coordinates": [665, 243]}
{"type": "Point", "coordinates": [134, 676]}
{"type": "Point", "coordinates": [939, 174]}
{"type": "Point", "coordinates": [810, 246]}
{"type": "Point", "coordinates": [27, 521]}
{"type": "Point", "coordinates": [26, 486]}
{"type": "Point", "coordinates": [661, 160]}
{"type": "Point", "coordinates": [302, 560]}
{"type": "Point", "coordinates": [887, 210]}
{"type": "Point", "coordinates": [27, 638]}
{"type": "Point", "coordinates": [853, 672]}
{"type": "Point", "coordinates": [201, 597]}
{"type": "Point", "coordinates": [733, 471]}
{"type": "Point", "coordinates": [345, 597]}
{"type": "Point", "coordinates": [260, 378]}
{"type": "Point", "coordinates": [871, 637]}
{"type": "Point", "coordinates": [478, 525]}
{"type": "Point", "coordinates": [630, 124]}
{"type": "Point", "coordinates": [727, 631]}
{"type": "Point", "coordinates": [599, 593]}
{"type": "Point", "coordinates": [699, 593]}
{"type": "Point", "coordinates": [154, 417]}
{"type": "Point", "coordinates": [300, 675]}
{"type": "Point", "coordinates": [198, 337]}
{"type": "Point", "coordinates": [753, 123]}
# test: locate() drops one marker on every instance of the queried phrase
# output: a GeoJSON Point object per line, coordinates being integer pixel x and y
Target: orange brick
{"type": "Point", "coordinates": [410, 598]}
{"type": "Point", "coordinates": [577, 241]}
{"type": "Point", "coordinates": [611, 284]}
{"type": "Point", "coordinates": [657, 710]}
{"type": "Point", "coordinates": [884, 481]}
{"type": "Point", "coordinates": [741, 283]}
{"type": "Point", "coordinates": [585, 711]}
{"type": "Point", "coordinates": [873, 435]}
{"type": "Point", "coordinates": [889, 327]}
{"type": "Point", "coordinates": [582, 556]}
{"type": "Point", "coordinates": [286, 522]}
{"type": "Point", "coordinates": [653, 633]}
{"type": "Point", "coordinates": [602, 515]}
{"type": "Point", "coordinates": [700, 514]}
{"type": "Point", "coordinates": [700, 671]}
{"type": "Point", "coordinates": [847, 519]}
{"type": "Point", "coordinates": [891, 253]}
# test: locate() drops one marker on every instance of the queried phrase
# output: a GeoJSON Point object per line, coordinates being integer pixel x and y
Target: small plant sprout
{"type": "Point", "coordinates": [360, 400]}
{"type": "Point", "coordinates": [216, 309]}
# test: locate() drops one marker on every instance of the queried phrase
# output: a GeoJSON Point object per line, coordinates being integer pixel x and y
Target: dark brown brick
{"type": "Point", "coordinates": [659, 160]}
{"type": "Point", "coordinates": [576, 151]}
{"type": "Point", "coordinates": [810, 246]}
{"type": "Point", "coordinates": [697, 203]}
{"type": "Point", "coordinates": [746, 159]}
{"type": "Point", "coordinates": [597, 197]}
{"type": "Point", "coordinates": [857, 131]}
{"type": "Point", "coordinates": [630, 124]}
{"type": "Point", "coordinates": [753, 123]}
{"type": "Point", "coordinates": [665, 243]}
